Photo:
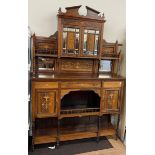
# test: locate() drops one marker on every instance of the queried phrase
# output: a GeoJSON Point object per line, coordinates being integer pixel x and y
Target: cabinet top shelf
{"type": "Point", "coordinates": [46, 55]}
{"type": "Point", "coordinates": [76, 76]}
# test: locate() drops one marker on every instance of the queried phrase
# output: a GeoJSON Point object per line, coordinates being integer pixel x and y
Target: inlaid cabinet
{"type": "Point", "coordinates": [75, 82]}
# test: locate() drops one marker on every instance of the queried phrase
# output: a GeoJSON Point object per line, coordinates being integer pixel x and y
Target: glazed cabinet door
{"type": "Point", "coordinates": [91, 42]}
{"type": "Point", "coordinates": [45, 102]}
{"type": "Point", "coordinates": [70, 42]}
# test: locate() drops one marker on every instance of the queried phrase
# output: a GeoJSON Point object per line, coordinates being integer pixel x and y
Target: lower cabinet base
{"type": "Point", "coordinates": [72, 133]}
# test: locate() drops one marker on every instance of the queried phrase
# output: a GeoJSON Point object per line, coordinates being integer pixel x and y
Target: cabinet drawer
{"type": "Point", "coordinates": [46, 84]}
{"type": "Point", "coordinates": [112, 84]}
{"type": "Point", "coordinates": [81, 84]}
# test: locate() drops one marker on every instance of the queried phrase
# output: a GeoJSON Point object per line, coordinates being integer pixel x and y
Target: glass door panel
{"type": "Point", "coordinates": [91, 42]}
{"type": "Point", "coordinates": [70, 40]}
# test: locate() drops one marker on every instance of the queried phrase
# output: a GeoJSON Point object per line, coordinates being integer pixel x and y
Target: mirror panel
{"type": "Point", "coordinates": [105, 66]}
{"type": "Point", "coordinates": [46, 64]}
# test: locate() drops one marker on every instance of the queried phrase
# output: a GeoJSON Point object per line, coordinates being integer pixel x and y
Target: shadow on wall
{"type": "Point", "coordinates": [122, 124]}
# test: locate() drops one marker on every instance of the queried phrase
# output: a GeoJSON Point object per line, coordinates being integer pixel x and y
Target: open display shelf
{"type": "Point", "coordinates": [74, 129]}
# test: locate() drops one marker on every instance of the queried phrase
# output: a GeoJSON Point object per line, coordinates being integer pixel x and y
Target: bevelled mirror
{"type": "Point", "coordinates": [46, 64]}
{"type": "Point", "coordinates": [105, 66]}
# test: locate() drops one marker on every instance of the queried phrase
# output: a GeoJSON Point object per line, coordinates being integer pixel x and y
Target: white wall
{"type": "Point", "coordinates": [43, 21]}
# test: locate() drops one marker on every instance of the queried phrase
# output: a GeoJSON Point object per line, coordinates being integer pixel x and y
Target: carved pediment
{"type": "Point", "coordinates": [93, 13]}
{"type": "Point", "coordinates": [74, 11]}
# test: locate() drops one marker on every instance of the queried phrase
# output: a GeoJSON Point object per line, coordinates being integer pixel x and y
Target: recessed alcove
{"type": "Point", "coordinates": [80, 101]}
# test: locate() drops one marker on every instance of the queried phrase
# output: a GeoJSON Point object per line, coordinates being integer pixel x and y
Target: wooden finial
{"type": "Point", "coordinates": [59, 11]}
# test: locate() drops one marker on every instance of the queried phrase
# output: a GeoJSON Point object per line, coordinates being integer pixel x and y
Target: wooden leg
{"type": "Point", "coordinates": [124, 135]}
{"type": "Point", "coordinates": [89, 118]}
{"type": "Point", "coordinates": [33, 135]}
{"type": "Point", "coordinates": [115, 136]}
{"type": "Point", "coordinates": [109, 118]}
{"type": "Point", "coordinates": [58, 134]}
{"type": "Point", "coordinates": [58, 143]}
{"type": "Point", "coordinates": [32, 144]}
{"type": "Point", "coordinates": [118, 120]}
{"type": "Point", "coordinates": [98, 128]}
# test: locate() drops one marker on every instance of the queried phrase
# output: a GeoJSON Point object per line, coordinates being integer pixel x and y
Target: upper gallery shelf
{"type": "Point", "coordinates": [47, 47]}
{"type": "Point", "coordinates": [77, 46]}
{"type": "Point", "coordinates": [110, 50]}
{"type": "Point", "coordinates": [77, 38]}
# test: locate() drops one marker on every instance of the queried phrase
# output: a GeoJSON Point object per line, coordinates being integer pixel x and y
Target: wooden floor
{"type": "Point", "coordinates": [118, 149]}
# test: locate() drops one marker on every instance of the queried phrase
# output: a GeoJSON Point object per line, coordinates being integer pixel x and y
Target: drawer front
{"type": "Point", "coordinates": [46, 84]}
{"type": "Point", "coordinates": [112, 84]}
{"type": "Point", "coordinates": [81, 84]}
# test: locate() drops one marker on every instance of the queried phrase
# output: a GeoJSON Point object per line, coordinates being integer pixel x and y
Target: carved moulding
{"type": "Point", "coordinates": [73, 11]}
{"type": "Point", "coordinates": [67, 91]}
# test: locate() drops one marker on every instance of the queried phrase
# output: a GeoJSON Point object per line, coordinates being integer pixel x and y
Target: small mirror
{"type": "Point", "coordinates": [46, 64]}
{"type": "Point", "coordinates": [105, 66]}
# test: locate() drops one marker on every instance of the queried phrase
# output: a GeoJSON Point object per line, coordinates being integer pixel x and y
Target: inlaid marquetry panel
{"type": "Point", "coordinates": [110, 100]}
{"type": "Point", "coordinates": [67, 91]}
{"type": "Point", "coordinates": [77, 65]}
{"type": "Point", "coordinates": [90, 42]}
{"type": "Point", "coordinates": [46, 85]}
{"type": "Point", "coordinates": [81, 23]}
{"type": "Point", "coordinates": [71, 40]}
{"type": "Point", "coordinates": [112, 84]}
{"type": "Point", "coordinates": [82, 84]}
{"type": "Point", "coordinates": [46, 102]}
{"type": "Point", "coordinates": [109, 50]}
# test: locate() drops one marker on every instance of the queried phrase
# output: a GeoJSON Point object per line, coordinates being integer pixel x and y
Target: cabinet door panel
{"type": "Point", "coordinates": [45, 103]}
{"type": "Point", "coordinates": [90, 42]}
{"type": "Point", "coordinates": [71, 40]}
{"type": "Point", "coordinates": [111, 100]}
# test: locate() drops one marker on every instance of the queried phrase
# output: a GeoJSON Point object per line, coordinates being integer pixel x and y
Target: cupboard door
{"type": "Point", "coordinates": [46, 103]}
{"type": "Point", "coordinates": [111, 100]}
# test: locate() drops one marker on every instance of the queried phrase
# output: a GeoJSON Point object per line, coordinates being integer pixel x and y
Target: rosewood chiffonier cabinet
{"type": "Point", "coordinates": [75, 83]}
